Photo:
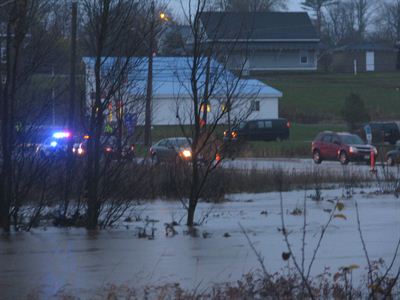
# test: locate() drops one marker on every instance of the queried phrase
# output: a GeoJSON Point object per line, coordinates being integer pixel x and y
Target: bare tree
{"type": "Point", "coordinates": [388, 20]}
{"type": "Point", "coordinates": [107, 23]}
{"type": "Point", "coordinates": [250, 5]}
{"type": "Point", "coordinates": [317, 6]}
{"type": "Point", "coordinates": [28, 41]}
{"type": "Point", "coordinates": [214, 93]}
{"type": "Point", "coordinates": [363, 13]}
{"type": "Point", "coordinates": [340, 22]}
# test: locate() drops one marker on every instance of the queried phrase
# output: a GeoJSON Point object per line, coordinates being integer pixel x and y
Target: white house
{"type": "Point", "coordinates": [172, 97]}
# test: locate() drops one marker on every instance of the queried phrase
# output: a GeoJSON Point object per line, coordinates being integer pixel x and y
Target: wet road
{"type": "Point", "coordinates": [45, 262]}
{"type": "Point", "coordinates": [297, 165]}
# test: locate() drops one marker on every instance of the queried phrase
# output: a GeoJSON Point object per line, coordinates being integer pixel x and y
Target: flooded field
{"type": "Point", "coordinates": [49, 260]}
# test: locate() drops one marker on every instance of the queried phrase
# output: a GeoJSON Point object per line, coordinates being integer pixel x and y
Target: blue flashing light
{"type": "Point", "coordinates": [61, 134]}
{"type": "Point", "coordinates": [53, 144]}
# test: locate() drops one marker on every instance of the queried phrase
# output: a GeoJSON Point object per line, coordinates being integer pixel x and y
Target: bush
{"type": "Point", "coordinates": [354, 111]}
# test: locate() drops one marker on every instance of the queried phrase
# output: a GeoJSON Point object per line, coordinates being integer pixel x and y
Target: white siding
{"type": "Point", "coordinates": [165, 111]}
{"type": "Point", "coordinates": [268, 109]}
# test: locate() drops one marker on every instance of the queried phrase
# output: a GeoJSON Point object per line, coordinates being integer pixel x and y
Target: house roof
{"type": "Point", "coordinates": [259, 26]}
{"type": "Point", "coordinates": [367, 47]}
{"type": "Point", "coordinates": [171, 77]}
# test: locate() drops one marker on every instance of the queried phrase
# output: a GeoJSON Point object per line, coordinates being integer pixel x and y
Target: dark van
{"type": "Point", "coordinates": [260, 130]}
{"type": "Point", "coordinates": [384, 132]}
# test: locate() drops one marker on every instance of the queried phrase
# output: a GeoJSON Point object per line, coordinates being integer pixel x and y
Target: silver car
{"type": "Point", "coordinates": [171, 149]}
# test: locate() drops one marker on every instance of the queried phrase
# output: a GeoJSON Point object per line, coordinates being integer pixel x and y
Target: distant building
{"type": "Point", "coordinates": [364, 57]}
{"type": "Point", "coordinates": [264, 41]}
{"type": "Point", "coordinates": [171, 91]}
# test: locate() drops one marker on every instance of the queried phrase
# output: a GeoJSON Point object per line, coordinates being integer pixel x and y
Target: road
{"type": "Point", "coordinates": [297, 165]}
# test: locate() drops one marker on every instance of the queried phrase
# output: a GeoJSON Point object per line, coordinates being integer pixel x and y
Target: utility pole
{"type": "Point", "coordinates": [53, 108]}
{"type": "Point", "coordinates": [72, 78]}
{"type": "Point", "coordinates": [149, 93]}
{"type": "Point", "coordinates": [71, 112]}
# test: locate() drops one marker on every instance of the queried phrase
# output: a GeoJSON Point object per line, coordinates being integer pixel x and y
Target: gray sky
{"type": "Point", "coordinates": [293, 5]}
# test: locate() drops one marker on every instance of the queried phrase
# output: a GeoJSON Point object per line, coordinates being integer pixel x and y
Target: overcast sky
{"type": "Point", "coordinates": [293, 5]}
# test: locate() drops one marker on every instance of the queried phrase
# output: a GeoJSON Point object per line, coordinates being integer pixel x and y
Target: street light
{"type": "Point", "coordinates": [164, 16]}
{"type": "Point", "coordinates": [149, 91]}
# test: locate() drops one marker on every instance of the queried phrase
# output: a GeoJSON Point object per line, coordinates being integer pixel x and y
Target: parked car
{"type": "Point", "coordinates": [393, 157]}
{"type": "Point", "coordinates": [171, 149]}
{"type": "Point", "coordinates": [109, 146]}
{"type": "Point", "coordinates": [384, 131]}
{"type": "Point", "coordinates": [341, 146]}
{"type": "Point", "coordinates": [260, 130]}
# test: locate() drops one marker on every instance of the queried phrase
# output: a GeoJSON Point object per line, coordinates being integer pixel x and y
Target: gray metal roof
{"type": "Point", "coordinates": [259, 26]}
{"type": "Point", "coordinates": [171, 76]}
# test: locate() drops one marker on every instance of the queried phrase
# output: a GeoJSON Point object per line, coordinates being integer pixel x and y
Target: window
{"type": "Point", "coordinates": [252, 125]}
{"type": "Point", "coordinates": [335, 140]}
{"type": "Point", "coordinates": [225, 107]}
{"type": "Point", "coordinates": [255, 106]}
{"type": "Point", "coordinates": [260, 124]}
{"type": "Point", "coordinates": [268, 124]}
{"type": "Point", "coordinates": [205, 105]}
{"type": "Point", "coordinates": [326, 138]}
{"type": "Point", "coordinates": [303, 57]}
{"type": "Point", "coordinates": [162, 143]}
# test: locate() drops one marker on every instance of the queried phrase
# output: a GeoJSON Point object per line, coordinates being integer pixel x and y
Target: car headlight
{"type": "Point", "coordinates": [353, 149]}
{"type": "Point", "coordinates": [186, 153]}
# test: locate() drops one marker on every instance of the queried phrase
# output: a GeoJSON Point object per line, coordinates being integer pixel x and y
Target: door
{"type": "Point", "coordinates": [324, 146]}
{"type": "Point", "coordinates": [251, 130]}
{"type": "Point", "coordinates": [334, 147]}
{"type": "Point", "coordinates": [370, 61]}
{"type": "Point", "coordinates": [162, 150]}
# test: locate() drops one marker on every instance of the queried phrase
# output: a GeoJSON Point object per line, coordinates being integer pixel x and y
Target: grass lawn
{"type": "Point", "coordinates": [316, 97]}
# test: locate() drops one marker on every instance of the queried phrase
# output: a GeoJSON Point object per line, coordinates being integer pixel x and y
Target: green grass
{"type": "Point", "coordinates": [317, 97]}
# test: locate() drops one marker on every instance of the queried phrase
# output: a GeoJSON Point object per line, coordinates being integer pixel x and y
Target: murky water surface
{"type": "Point", "coordinates": [50, 260]}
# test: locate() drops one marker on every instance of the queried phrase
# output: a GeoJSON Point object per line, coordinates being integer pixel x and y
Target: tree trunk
{"type": "Point", "coordinates": [191, 211]}
{"type": "Point", "coordinates": [94, 175]}
{"type": "Point", "coordinates": [94, 147]}
{"type": "Point", "coordinates": [194, 196]}
{"type": "Point", "coordinates": [71, 112]}
{"type": "Point", "coordinates": [8, 98]}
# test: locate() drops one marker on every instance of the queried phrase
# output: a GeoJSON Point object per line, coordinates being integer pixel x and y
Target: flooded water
{"type": "Point", "coordinates": [47, 261]}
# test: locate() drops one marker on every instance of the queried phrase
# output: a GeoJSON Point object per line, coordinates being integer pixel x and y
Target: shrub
{"type": "Point", "coordinates": [354, 111]}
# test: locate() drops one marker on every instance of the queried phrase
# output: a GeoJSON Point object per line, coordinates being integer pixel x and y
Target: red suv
{"type": "Point", "coordinates": [342, 146]}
